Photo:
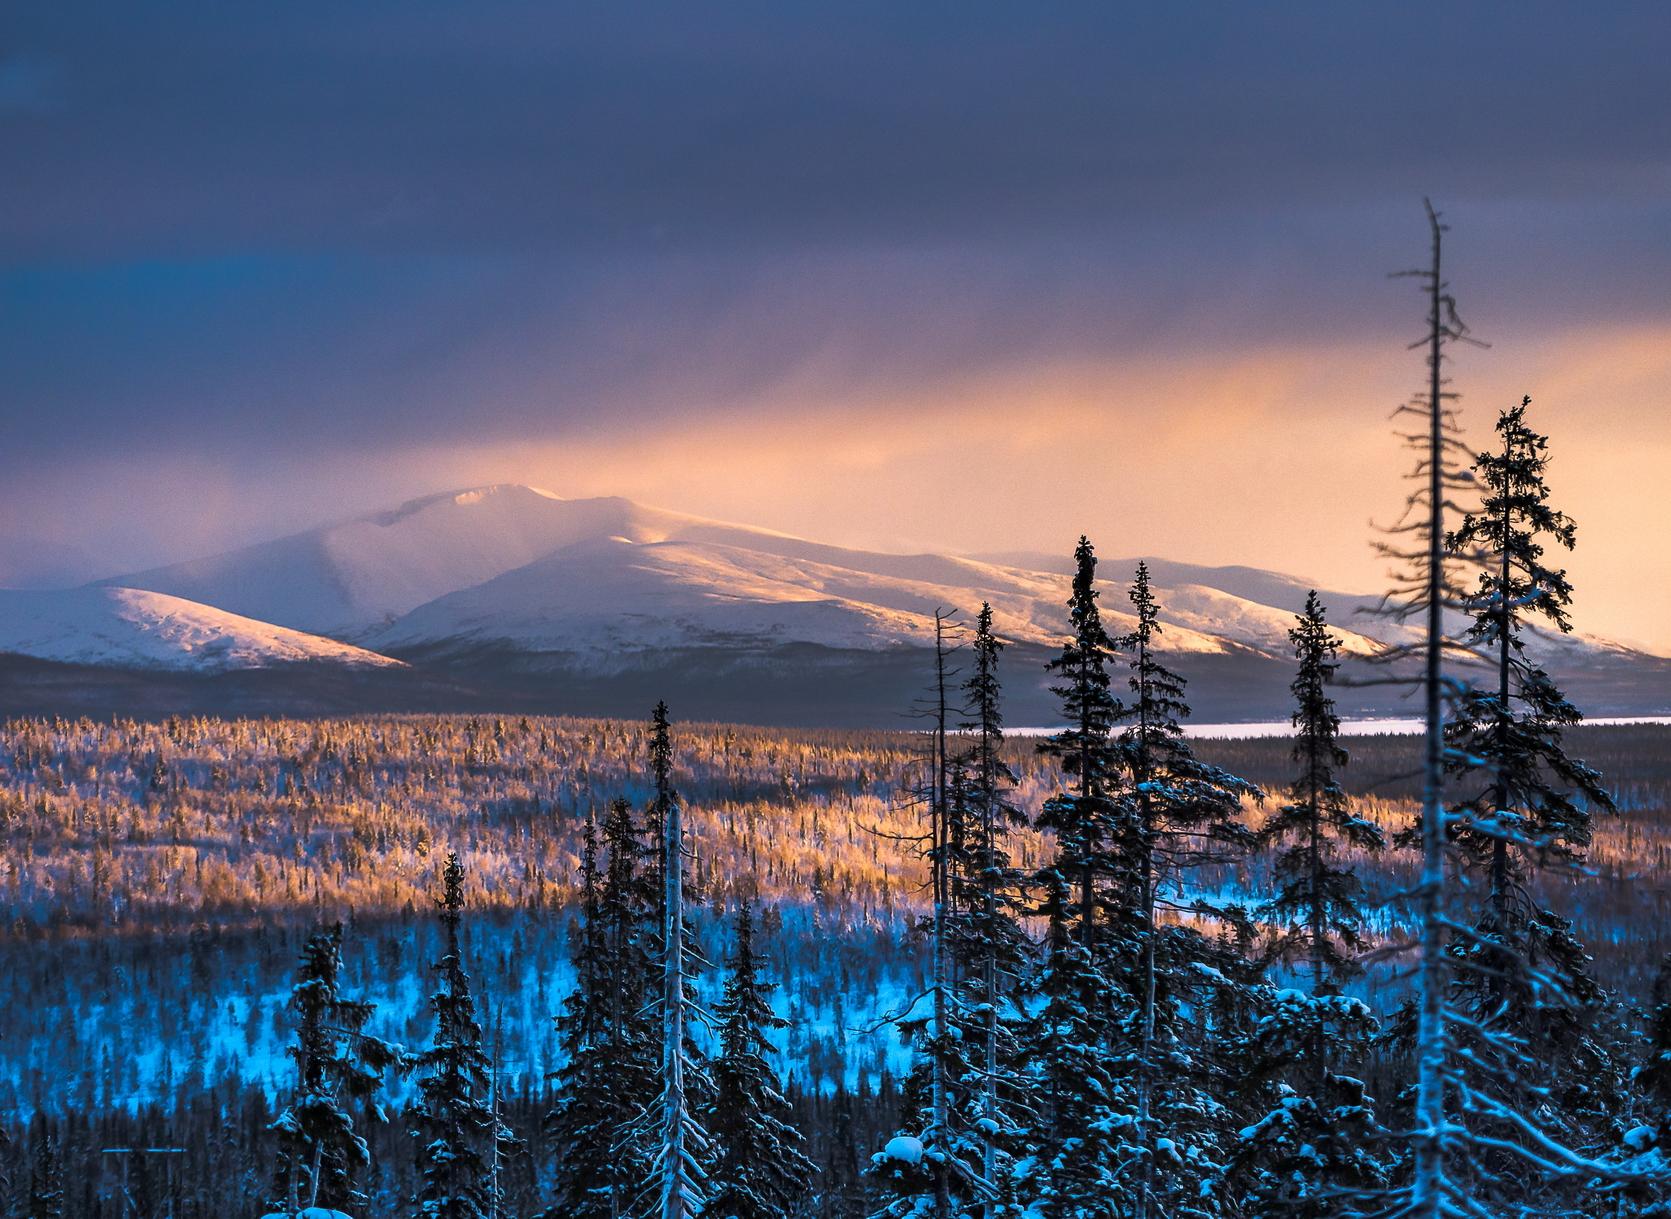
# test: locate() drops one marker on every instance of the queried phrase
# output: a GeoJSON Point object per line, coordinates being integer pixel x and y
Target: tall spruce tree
{"type": "Point", "coordinates": [760, 1171]}
{"type": "Point", "coordinates": [610, 1078]}
{"type": "Point", "coordinates": [1077, 1153]}
{"type": "Point", "coordinates": [1175, 815]}
{"type": "Point", "coordinates": [1320, 899]}
{"type": "Point", "coordinates": [1081, 815]}
{"type": "Point", "coordinates": [1316, 1150]}
{"type": "Point", "coordinates": [988, 945]}
{"type": "Point", "coordinates": [457, 1132]}
{"type": "Point", "coordinates": [337, 1063]}
{"type": "Point", "coordinates": [1521, 977]}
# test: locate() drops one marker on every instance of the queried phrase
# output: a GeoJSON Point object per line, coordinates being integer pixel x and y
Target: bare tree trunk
{"type": "Point", "coordinates": [673, 1201]}
{"type": "Point", "coordinates": [939, 839]}
{"type": "Point", "coordinates": [1500, 848]}
{"type": "Point", "coordinates": [1427, 1194]}
{"type": "Point", "coordinates": [1320, 1042]}
{"type": "Point", "coordinates": [1146, 1044]}
{"type": "Point", "coordinates": [989, 992]}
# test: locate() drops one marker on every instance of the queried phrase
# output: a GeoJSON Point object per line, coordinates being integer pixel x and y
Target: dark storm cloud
{"type": "Point", "coordinates": [239, 229]}
{"type": "Point", "coordinates": [193, 128]}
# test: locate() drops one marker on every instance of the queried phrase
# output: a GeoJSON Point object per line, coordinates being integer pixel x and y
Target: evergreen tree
{"type": "Point", "coordinates": [760, 1171]}
{"type": "Point", "coordinates": [1077, 1151]}
{"type": "Point", "coordinates": [1653, 1077]}
{"type": "Point", "coordinates": [963, 1091]}
{"type": "Point", "coordinates": [1317, 1148]}
{"type": "Point", "coordinates": [1535, 1019]}
{"type": "Point", "coordinates": [1081, 816]}
{"type": "Point", "coordinates": [336, 1062]}
{"type": "Point", "coordinates": [1643, 1158]}
{"type": "Point", "coordinates": [1481, 1135]}
{"type": "Point", "coordinates": [46, 1178]}
{"type": "Point", "coordinates": [610, 1077]}
{"type": "Point", "coordinates": [1535, 804]}
{"type": "Point", "coordinates": [454, 1122]}
{"type": "Point", "coordinates": [1317, 1151]}
{"type": "Point", "coordinates": [987, 944]}
{"type": "Point", "coordinates": [1176, 814]}
{"type": "Point", "coordinates": [1316, 896]}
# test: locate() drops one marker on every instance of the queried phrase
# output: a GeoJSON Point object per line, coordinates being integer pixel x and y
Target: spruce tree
{"type": "Point", "coordinates": [1321, 900]}
{"type": "Point", "coordinates": [1316, 1148]}
{"type": "Point", "coordinates": [1644, 1155]}
{"type": "Point", "coordinates": [1479, 1136]}
{"type": "Point", "coordinates": [988, 945]}
{"type": "Point", "coordinates": [1081, 815]}
{"type": "Point", "coordinates": [963, 1093]}
{"type": "Point", "coordinates": [1175, 814]}
{"type": "Point", "coordinates": [760, 1171]}
{"type": "Point", "coordinates": [1521, 977]}
{"type": "Point", "coordinates": [321, 1153]}
{"type": "Point", "coordinates": [453, 1122]}
{"type": "Point", "coordinates": [1077, 1151]}
{"type": "Point", "coordinates": [610, 1077]}
{"type": "Point", "coordinates": [941, 1169]}
{"type": "Point", "coordinates": [1653, 1077]}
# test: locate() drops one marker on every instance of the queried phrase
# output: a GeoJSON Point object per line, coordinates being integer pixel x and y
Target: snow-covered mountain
{"type": "Point", "coordinates": [523, 568]}
{"type": "Point", "coordinates": [128, 628]}
{"type": "Point", "coordinates": [507, 595]}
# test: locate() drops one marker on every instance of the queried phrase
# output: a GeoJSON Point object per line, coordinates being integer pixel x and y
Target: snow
{"type": "Point", "coordinates": [134, 629]}
{"type": "Point", "coordinates": [904, 1149]}
{"type": "Point", "coordinates": [523, 567]}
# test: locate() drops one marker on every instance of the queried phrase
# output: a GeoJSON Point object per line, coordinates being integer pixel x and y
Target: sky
{"type": "Point", "coordinates": [946, 276]}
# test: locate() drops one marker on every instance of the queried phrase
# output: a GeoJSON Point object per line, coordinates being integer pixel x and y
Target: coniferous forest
{"type": "Point", "coordinates": [474, 967]}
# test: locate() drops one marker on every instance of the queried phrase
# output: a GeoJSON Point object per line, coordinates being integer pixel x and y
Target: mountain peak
{"type": "Point", "coordinates": [465, 498]}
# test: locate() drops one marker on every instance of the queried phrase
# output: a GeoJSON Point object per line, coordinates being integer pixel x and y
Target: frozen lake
{"type": "Point", "coordinates": [1365, 727]}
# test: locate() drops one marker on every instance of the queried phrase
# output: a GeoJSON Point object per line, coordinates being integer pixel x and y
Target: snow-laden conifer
{"type": "Point", "coordinates": [759, 1170]}
{"type": "Point", "coordinates": [458, 1133]}
{"type": "Point", "coordinates": [1174, 815]}
{"type": "Point", "coordinates": [1317, 1150]}
{"type": "Point", "coordinates": [610, 1077]}
{"type": "Point", "coordinates": [337, 1064]}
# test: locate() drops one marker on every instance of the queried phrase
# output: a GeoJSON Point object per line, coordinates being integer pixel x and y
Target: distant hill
{"type": "Point", "coordinates": [128, 628]}
{"type": "Point", "coordinates": [509, 596]}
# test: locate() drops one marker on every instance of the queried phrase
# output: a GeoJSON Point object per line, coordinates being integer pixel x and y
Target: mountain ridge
{"type": "Point", "coordinates": [519, 593]}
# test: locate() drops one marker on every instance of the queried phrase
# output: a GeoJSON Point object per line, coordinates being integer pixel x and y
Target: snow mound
{"type": "Point", "coordinates": [135, 629]}
{"type": "Point", "coordinates": [903, 1149]}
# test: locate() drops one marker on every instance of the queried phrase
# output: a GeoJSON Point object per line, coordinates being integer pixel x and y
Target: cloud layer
{"type": "Point", "coordinates": [810, 265]}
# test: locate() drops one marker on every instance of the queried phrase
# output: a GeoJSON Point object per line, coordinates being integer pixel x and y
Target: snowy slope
{"type": "Point", "coordinates": [346, 578]}
{"type": "Point", "coordinates": [133, 629]}
{"type": "Point", "coordinates": [597, 575]}
{"type": "Point", "coordinates": [614, 595]}
{"type": "Point", "coordinates": [516, 567]}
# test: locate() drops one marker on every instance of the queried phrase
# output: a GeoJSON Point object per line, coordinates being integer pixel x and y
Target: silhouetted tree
{"type": "Point", "coordinates": [457, 1131]}
{"type": "Point", "coordinates": [760, 1170]}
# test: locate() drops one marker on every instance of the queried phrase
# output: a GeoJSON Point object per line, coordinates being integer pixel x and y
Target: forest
{"type": "Point", "coordinates": [473, 966]}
